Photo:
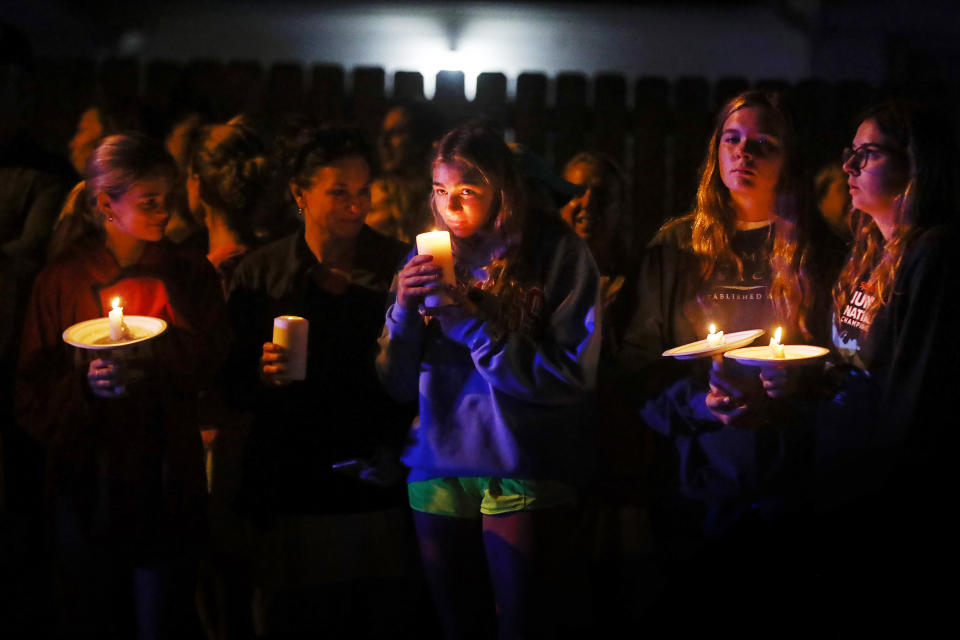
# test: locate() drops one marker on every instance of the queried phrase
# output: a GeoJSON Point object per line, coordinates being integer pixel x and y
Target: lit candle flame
{"type": "Point", "coordinates": [116, 303]}
{"type": "Point", "coordinates": [714, 338]}
{"type": "Point", "coordinates": [777, 334]}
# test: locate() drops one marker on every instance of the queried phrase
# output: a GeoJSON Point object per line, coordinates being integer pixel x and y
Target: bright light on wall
{"type": "Point", "coordinates": [474, 37]}
{"type": "Point", "coordinates": [452, 61]}
{"type": "Point", "coordinates": [472, 56]}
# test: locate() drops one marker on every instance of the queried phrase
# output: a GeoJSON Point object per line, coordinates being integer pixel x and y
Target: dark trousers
{"type": "Point", "coordinates": [105, 590]}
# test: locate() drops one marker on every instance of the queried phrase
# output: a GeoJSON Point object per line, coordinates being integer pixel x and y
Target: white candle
{"type": "Point", "coordinates": [775, 345]}
{"type": "Point", "coordinates": [290, 332]}
{"type": "Point", "coordinates": [437, 244]}
{"type": "Point", "coordinates": [715, 338]}
{"type": "Point", "coordinates": [116, 321]}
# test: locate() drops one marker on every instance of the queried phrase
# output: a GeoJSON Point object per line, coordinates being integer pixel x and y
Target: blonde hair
{"type": "Point", "coordinates": [713, 219]}
{"type": "Point", "coordinates": [118, 162]}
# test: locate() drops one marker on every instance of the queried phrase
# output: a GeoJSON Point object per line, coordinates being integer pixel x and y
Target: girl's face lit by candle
{"type": "Point", "coordinates": [751, 151]}
{"type": "Point", "coordinates": [462, 198]}
{"type": "Point", "coordinates": [141, 212]}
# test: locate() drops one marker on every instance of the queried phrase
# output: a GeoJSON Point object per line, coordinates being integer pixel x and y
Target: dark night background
{"type": "Point", "coordinates": [640, 81]}
{"type": "Point", "coordinates": [560, 76]}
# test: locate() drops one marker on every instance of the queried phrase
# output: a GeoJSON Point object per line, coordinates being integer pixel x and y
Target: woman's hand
{"type": "Point", "coordinates": [418, 278]}
{"type": "Point", "coordinates": [461, 309]}
{"type": "Point", "coordinates": [273, 365]}
{"type": "Point", "coordinates": [106, 378]}
{"type": "Point", "coordinates": [778, 382]}
{"type": "Point", "coordinates": [735, 400]}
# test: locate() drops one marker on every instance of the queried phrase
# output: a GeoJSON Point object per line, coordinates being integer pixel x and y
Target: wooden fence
{"type": "Point", "coordinates": [656, 127]}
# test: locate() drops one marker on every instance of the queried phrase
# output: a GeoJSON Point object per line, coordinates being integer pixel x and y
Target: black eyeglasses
{"type": "Point", "coordinates": [862, 156]}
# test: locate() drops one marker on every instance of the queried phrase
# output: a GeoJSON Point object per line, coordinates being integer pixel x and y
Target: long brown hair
{"type": "Point", "coordinates": [118, 162]}
{"type": "Point", "coordinates": [713, 219]}
{"type": "Point", "coordinates": [922, 136]}
{"type": "Point", "coordinates": [479, 146]}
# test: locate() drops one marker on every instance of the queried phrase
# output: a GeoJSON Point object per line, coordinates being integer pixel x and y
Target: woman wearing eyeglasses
{"type": "Point", "coordinates": [884, 444]}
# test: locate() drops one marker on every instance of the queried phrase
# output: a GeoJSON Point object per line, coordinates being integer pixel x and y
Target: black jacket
{"type": "Point", "coordinates": [340, 411]}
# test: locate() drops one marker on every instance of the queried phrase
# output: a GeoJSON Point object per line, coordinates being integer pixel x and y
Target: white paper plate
{"type": "Point", "coordinates": [792, 354]}
{"type": "Point", "coordinates": [700, 348]}
{"type": "Point", "coordinates": [95, 334]}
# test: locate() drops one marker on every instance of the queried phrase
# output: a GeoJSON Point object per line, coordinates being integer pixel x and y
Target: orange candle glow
{"type": "Point", "coordinates": [775, 345]}
{"type": "Point", "coordinates": [715, 338]}
{"type": "Point", "coordinates": [116, 320]}
{"type": "Point", "coordinates": [437, 244]}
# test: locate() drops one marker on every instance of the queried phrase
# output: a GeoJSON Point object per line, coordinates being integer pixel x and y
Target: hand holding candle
{"type": "Point", "coordinates": [290, 333]}
{"type": "Point", "coordinates": [775, 347]}
{"type": "Point", "coordinates": [106, 378]}
{"type": "Point", "coordinates": [715, 338]}
{"type": "Point", "coordinates": [437, 244]}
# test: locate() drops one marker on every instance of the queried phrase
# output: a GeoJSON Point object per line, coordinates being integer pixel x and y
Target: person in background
{"type": "Point", "coordinates": [885, 440]}
{"type": "Point", "coordinates": [97, 121]}
{"type": "Point", "coordinates": [228, 177]}
{"type": "Point", "coordinates": [320, 473]}
{"type": "Point", "coordinates": [33, 184]}
{"type": "Point", "coordinates": [504, 378]}
{"type": "Point", "coordinates": [181, 139]}
{"type": "Point", "coordinates": [833, 200]}
{"type": "Point", "coordinates": [406, 138]}
{"type": "Point", "coordinates": [181, 136]}
{"type": "Point", "coordinates": [388, 204]}
{"type": "Point", "coordinates": [600, 214]}
{"type": "Point", "coordinates": [125, 467]}
{"type": "Point", "coordinates": [614, 501]}
{"type": "Point", "coordinates": [88, 134]}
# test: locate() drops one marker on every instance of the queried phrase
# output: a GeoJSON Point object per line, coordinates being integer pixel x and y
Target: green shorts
{"type": "Point", "coordinates": [470, 497]}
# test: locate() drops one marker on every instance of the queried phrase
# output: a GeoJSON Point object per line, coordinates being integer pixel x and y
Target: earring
{"type": "Point", "coordinates": [300, 211]}
{"type": "Point", "coordinates": [109, 218]}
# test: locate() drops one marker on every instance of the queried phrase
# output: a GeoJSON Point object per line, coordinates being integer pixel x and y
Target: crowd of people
{"type": "Point", "coordinates": [501, 453]}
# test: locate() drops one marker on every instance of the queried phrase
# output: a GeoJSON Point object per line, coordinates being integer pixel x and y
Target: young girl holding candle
{"type": "Point", "coordinates": [503, 377]}
{"type": "Point", "coordinates": [125, 464]}
{"type": "Point", "coordinates": [885, 445]}
{"type": "Point", "coordinates": [741, 260]}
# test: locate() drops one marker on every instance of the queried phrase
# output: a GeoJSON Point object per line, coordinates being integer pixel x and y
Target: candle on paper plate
{"type": "Point", "coordinates": [116, 320]}
{"type": "Point", "coordinates": [715, 338]}
{"type": "Point", "coordinates": [437, 244]}
{"type": "Point", "coordinates": [290, 332]}
{"type": "Point", "coordinates": [775, 347]}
